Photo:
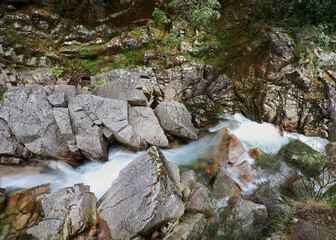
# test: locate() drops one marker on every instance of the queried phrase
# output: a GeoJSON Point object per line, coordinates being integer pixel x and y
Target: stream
{"type": "Point", "coordinates": [99, 176]}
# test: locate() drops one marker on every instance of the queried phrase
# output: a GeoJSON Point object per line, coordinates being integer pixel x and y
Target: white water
{"type": "Point", "coordinates": [100, 176]}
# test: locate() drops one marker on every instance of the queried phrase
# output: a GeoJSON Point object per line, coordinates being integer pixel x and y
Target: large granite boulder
{"type": "Point", "coordinates": [144, 197]}
{"type": "Point", "coordinates": [114, 115]}
{"type": "Point", "coordinates": [67, 212]}
{"type": "Point", "coordinates": [29, 116]}
{"type": "Point", "coordinates": [146, 125]}
{"type": "Point", "coordinates": [175, 119]}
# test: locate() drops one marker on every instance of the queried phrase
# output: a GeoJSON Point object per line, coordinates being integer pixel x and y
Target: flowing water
{"type": "Point", "coordinates": [99, 176]}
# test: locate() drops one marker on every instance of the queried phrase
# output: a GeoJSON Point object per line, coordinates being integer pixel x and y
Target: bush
{"type": "Point", "coordinates": [160, 18]}
{"type": "Point", "coordinates": [298, 12]}
{"type": "Point", "coordinates": [196, 13]}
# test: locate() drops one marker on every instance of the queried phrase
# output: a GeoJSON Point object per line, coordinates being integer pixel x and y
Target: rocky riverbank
{"type": "Point", "coordinates": [75, 81]}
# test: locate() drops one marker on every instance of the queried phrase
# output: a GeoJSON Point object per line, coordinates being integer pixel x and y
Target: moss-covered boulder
{"type": "Point", "coordinates": [303, 157]}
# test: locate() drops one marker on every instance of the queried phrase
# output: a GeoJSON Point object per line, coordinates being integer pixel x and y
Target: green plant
{"type": "Point", "coordinates": [269, 162]}
{"type": "Point", "coordinates": [2, 92]}
{"type": "Point", "coordinates": [99, 83]}
{"type": "Point", "coordinates": [57, 72]}
{"type": "Point", "coordinates": [159, 18]}
{"type": "Point", "coordinates": [196, 13]}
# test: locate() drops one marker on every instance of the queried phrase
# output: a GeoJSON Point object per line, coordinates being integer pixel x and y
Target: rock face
{"type": "Point", "coordinates": [230, 148]}
{"type": "Point", "coordinates": [67, 212]}
{"type": "Point", "coordinates": [175, 119]}
{"type": "Point", "coordinates": [191, 228]}
{"type": "Point", "coordinates": [145, 196]}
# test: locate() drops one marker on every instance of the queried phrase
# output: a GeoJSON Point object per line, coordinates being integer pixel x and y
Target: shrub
{"type": "Point", "coordinates": [196, 13]}
{"type": "Point", "coordinates": [160, 18]}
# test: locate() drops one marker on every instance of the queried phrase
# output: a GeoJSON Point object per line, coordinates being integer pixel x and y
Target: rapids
{"type": "Point", "coordinates": [99, 176]}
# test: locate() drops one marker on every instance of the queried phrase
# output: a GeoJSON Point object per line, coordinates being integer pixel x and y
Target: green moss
{"type": "Point", "coordinates": [269, 162]}
{"type": "Point", "coordinates": [303, 157]}
{"type": "Point", "coordinates": [3, 90]}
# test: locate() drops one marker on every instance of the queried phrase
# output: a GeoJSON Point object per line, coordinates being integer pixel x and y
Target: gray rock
{"type": "Point", "coordinates": [30, 117]}
{"type": "Point", "coordinates": [58, 99]}
{"type": "Point", "coordinates": [114, 114]}
{"type": "Point", "coordinates": [282, 44]}
{"type": "Point", "coordinates": [63, 121]}
{"type": "Point", "coordinates": [224, 185]}
{"type": "Point", "coordinates": [201, 201]}
{"type": "Point", "coordinates": [47, 230]}
{"type": "Point", "coordinates": [186, 47]}
{"type": "Point", "coordinates": [191, 228]}
{"type": "Point", "coordinates": [247, 218]}
{"type": "Point", "coordinates": [146, 125]}
{"type": "Point", "coordinates": [39, 76]}
{"type": "Point", "coordinates": [8, 143]}
{"type": "Point", "coordinates": [143, 198]}
{"type": "Point", "coordinates": [122, 84]}
{"type": "Point", "coordinates": [68, 212]}
{"type": "Point", "coordinates": [170, 83]}
{"type": "Point", "coordinates": [175, 119]}
{"type": "Point", "coordinates": [89, 137]}
{"type": "Point", "coordinates": [189, 179]}
{"type": "Point", "coordinates": [68, 90]}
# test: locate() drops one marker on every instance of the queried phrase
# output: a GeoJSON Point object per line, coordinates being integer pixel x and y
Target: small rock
{"type": "Point", "coordinates": [224, 185]}
{"type": "Point", "coordinates": [246, 174]}
{"type": "Point", "coordinates": [189, 179]}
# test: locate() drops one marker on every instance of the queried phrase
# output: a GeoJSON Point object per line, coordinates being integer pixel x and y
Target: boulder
{"type": "Point", "coordinates": [114, 115]}
{"type": "Point", "coordinates": [201, 201]}
{"type": "Point", "coordinates": [29, 116]}
{"type": "Point", "coordinates": [121, 84]}
{"type": "Point", "coordinates": [146, 125]}
{"type": "Point", "coordinates": [303, 157]}
{"type": "Point", "coordinates": [8, 143]}
{"type": "Point", "coordinates": [143, 198]}
{"type": "Point", "coordinates": [191, 228]}
{"type": "Point", "coordinates": [246, 220]}
{"type": "Point", "coordinates": [89, 138]}
{"type": "Point", "coordinates": [175, 119]}
{"type": "Point", "coordinates": [255, 153]}
{"type": "Point", "coordinates": [230, 148]}
{"type": "Point", "coordinates": [189, 179]}
{"type": "Point", "coordinates": [58, 99]}
{"type": "Point", "coordinates": [67, 212]}
{"type": "Point", "coordinates": [2, 198]}
{"type": "Point", "coordinates": [224, 185]}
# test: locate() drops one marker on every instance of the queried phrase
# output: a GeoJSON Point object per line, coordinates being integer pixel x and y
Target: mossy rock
{"type": "Point", "coordinates": [303, 157]}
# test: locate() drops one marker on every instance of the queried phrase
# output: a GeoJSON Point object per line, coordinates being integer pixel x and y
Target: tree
{"type": "Point", "coordinates": [197, 13]}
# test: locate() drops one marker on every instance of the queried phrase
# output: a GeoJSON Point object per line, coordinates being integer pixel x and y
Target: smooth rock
{"type": "Point", "coordinates": [201, 201]}
{"type": "Point", "coordinates": [146, 125]}
{"type": "Point", "coordinates": [230, 148]}
{"type": "Point", "coordinates": [246, 174]}
{"type": "Point", "coordinates": [175, 119]}
{"type": "Point", "coordinates": [144, 197]}
{"type": "Point", "coordinates": [189, 179]}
